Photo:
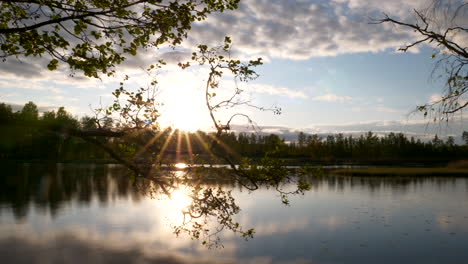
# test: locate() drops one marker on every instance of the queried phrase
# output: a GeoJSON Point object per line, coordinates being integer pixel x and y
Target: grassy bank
{"type": "Point", "coordinates": [402, 172]}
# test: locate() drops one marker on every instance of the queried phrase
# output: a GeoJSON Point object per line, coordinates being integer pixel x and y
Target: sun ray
{"type": "Point", "coordinates": [150, 142]}
{"type": "Point", "coordinates": [166, 143]}
{"type": "Point", "coordinates": [204, 144]}
{"type": "Point", "coordinates": [178, 147]}
{"type": "Point", "coordinates": [223, 145]}
{"type": "Point", "coordinates": [189, 147]}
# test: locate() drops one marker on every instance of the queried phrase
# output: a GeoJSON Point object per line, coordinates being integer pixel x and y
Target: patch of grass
{"type": "Point", "coordinates": [459, 164]}
{"type": "Point", "coordinates": [402, 172]}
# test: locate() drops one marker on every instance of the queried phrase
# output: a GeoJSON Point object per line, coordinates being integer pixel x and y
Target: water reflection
{"type": "Point", "coordinates": [180, 165]}
{"type": "Point", "coordinates": [87, 214]}
{"type": "Point", "coordinates": [50, 187]}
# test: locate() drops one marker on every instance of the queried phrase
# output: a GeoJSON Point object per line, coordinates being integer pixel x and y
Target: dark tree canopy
{"type": "Point", "coordinates": [95, 35]}
{"type": "Point", "coordinates": [444, 25]}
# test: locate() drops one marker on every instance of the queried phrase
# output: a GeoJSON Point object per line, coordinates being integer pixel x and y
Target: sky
{"type": "Point", "coordinates": [325, 65]}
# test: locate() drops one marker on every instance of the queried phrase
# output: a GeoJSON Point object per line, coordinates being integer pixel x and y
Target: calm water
{"type": "Point", "coordinates": [92, 214]}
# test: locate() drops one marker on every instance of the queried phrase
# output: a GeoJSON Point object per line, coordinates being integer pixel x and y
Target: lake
{"type": "Point", "coordinates": [65, 213]}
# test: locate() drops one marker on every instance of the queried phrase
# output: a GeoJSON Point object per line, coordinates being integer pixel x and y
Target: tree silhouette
{"type": "Point", "coordinates": [94, 35]}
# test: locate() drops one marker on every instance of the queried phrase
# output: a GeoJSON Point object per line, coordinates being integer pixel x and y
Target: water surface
{"type": "Point", "coordinates": [92, 214]}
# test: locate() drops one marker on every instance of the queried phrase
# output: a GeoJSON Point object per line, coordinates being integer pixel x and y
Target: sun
{"type": "Point", "coordinates": [183, 112]}
{"type": "Point", "coordinates": [186, 121]}
{"type": "Point", "coordinates": [183, 104]}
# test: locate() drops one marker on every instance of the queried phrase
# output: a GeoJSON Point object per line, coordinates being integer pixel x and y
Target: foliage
{"type": "Point", "coordinates": [219, 62]}
{"type": "Point", "coordinates": [94, 35]}
{"type": "Point", "coordinates": [442, 25]}
{"type": "Point", "coordinates": [132, 110]}
{"type": "Point", "coordinates": [269, 172]}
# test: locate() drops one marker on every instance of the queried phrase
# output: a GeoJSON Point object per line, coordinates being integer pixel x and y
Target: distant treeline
{"type": "Point", "coordinates": [26, 135]}
{"type": "Point", "coordinates": [338, 148]}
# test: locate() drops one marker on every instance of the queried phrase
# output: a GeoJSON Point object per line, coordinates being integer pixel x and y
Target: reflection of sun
{"type": "Point", "coordinates": [172, 207]}
{"type": "Point", "coordinates": [180, 200]}
{"type": "Point", "coordinates": [176, 205]}
{"type": "Point", "coordinates": [180, 165]}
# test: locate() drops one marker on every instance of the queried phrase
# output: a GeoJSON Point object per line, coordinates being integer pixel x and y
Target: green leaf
{"type": "Point", "coordinates": [53, 64]}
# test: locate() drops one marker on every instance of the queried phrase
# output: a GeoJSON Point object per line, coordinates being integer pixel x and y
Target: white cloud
{"type": "Point", "coordinates": [435, 98]}
{"type": "Point", "coordinates": [28, 85]}
{"type": "Point", "coordinates": [61, 99]}
{"type": "Point", "coordinates": [276, 90]}
{"type": "Point", "coordinates": [386, 109]}
{"type": "Point", "coordinates": [332, 98]}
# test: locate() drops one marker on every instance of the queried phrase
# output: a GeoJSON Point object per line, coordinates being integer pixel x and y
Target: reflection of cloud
{"type": "Point", "coordinates": [443, 222]}
{"type": "Point", "coordinates": [331, 222]}
{"type": "Point", "coordinates": [447, 223]}
{"type": "Point", "coordinates": [291, 225]}
{"type": "Point", "coordinates": [71, 249]}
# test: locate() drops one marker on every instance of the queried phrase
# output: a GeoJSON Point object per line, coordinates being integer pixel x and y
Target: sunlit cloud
{"type": "Point", "coordinates": [28, 85]}
{"type": "Point", "coordinates": [275, 90]}
{"type": "Point", "coordinates": [434, 98]}
{"type": "Point", "coordinates": [332, 98]}
{"type": "Point", "coordinates": [386, 109]}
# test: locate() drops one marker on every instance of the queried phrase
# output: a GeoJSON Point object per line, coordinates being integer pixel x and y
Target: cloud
{"type": "Point", "coordinates": [306, 29]}
{"type": "Point", "coordinates": [41, 108]}
{"type": "Point", "coordinates": [175, 57]}
{"type": "Point", "coordinates": [272, 29]}
{"type": "Point", "coordinates": [332, 98]}
{"type": "Point", "coordinates": [435, 98]}
{"type": "Point", "coordinates": [28, 85]}
{"type": "Point", "coordinates": [386, 109]}
{"type": "Point", "coordinates": [27, 68]}
{"type": "Point", "coordinates": [276, 90]}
